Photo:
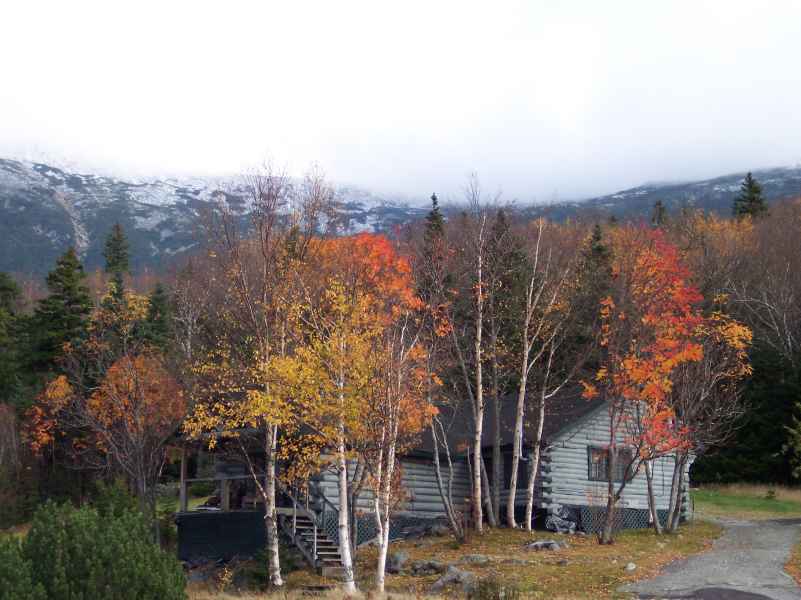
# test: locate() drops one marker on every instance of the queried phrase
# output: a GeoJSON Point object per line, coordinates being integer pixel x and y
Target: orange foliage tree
{"type": "Point", "coordinates": [648, 325]}
{"type": "Point", "coordinates": [355, 290]}
{"type": "Point", "coordinates": [123, 421]}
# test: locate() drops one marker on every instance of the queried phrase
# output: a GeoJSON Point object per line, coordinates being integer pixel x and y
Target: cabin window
{"type": "Point", "coordinates": [598, 463]}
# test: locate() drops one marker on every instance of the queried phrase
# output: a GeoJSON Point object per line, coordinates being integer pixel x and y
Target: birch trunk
{"type": "Point", "coordinates": [382, 513]}
{"type": "Point", "coordinates": [271, 523]}
{"type": "Point", "coordinates": [446, 493]}
{"type": "Point", "coordinates": [517, 443]}
{"type": "Point", "coordinates": [344, 526]}
{"type": "Point", "coordinates": [649, 478]}
{"type": "Point", "coordinates": [535, 464]}
{"type": "Point", "coordinates": [675, 485]}
{"type": "Point", "coordinates": [491, 521]}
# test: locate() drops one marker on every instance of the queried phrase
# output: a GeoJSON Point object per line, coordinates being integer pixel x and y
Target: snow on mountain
{"type": "Point", "coordinates": [44, 209]}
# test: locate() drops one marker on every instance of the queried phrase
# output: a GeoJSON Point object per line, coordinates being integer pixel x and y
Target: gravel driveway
{"type": "Point", "coordinates": [745, 563]}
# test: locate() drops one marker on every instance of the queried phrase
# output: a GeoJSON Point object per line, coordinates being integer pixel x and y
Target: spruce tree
{"type": "Point", "coordinates": [117, 263]}
{"type": "Point", "coordinates": [750, 202]}
{"type": "Point", "coordinates": [116, 251]}
{"type": "Point", "coordinates": [659, 214]}
{"type": "Point", "coordinates": [432, 251]}
{"type": "Point", "coordinates": [157, 323]}
{"type": "Point", "coordinates": [435, 222]}
{"type": "Point", "coordinates": [62, 316]}
{"type": "Point", "coordinates": [9, 342]}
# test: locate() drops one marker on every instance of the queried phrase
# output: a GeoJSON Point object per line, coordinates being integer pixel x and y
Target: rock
{"type": "Point", "coordinates": [396, 561]}
{"type": "Point", "coordinates": [515, 561]}
{"type": "Point", "coordinates": [440, 530]}
{"type": "Point", "coordinates": [427, 567]}
{"type": "Point", "coordinates": [475, 559]}
{"type": "Point", "coordinates": [631, 567]}
{"type": "Point", "coordinates": [563, 563]}
{"type": "Point", "coordinates": [454, 576]}
{"type": "Point", "coordinates": [545, 545]}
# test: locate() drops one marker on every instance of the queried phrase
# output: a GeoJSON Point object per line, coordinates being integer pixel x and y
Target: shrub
{"type": "Point", "coordinates": [201, 489]}
{"type": "Point", "coordinates": [113, 499]}
{"type": "Point", "coordinates": [16, 582]}
{"type": "Point", "coordinates": [81, 555]}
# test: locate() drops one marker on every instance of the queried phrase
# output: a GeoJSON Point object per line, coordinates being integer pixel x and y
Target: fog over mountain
{"type": "Point", "coordinates": [45, 209]}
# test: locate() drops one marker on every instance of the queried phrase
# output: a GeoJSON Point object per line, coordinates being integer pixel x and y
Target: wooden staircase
{"type": "Point", "coordinates": [298, 524]}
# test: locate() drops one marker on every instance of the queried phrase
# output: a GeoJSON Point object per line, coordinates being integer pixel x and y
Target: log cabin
{"type": "Point", "coordinates": [571, 479]}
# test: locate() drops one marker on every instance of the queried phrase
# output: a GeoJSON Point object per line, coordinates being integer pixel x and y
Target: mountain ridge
{"type": "Point", "coordinates": [44, 209]}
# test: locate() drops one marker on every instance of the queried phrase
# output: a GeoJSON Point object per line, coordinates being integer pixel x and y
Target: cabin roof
{"type": "Point", "coordinates": [562, 411]}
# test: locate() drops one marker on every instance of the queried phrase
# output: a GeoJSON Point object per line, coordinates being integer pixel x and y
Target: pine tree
{"type": "Point", "coordinates": [433, 252]}
{"type": "Point", "coordinates": [659, 214]}
{"type": "Point", "coordinates": [116, 251]}
{"type": "Point", "coordinates": [117, 264]}
{"type": "Point", "coordinates": [62, 316]}
{"type": "Point", "coordinates": [435, 222]}
{"type": "Point", "coordinates": [9, 293]}
{"type": "Point", "coordinates": [157, 323]}
{"type": "Point", "coordinates": [9, 346]}
{"type": "Point", "coordinates": [750, 202]}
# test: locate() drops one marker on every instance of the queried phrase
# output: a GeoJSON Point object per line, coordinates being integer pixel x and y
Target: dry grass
{"type": "Point", "coordinates": [196, 593]}
{"type": "Point", "coordinates": [748, 501]}
{"type": "Point", "coordinates": [585, 570]}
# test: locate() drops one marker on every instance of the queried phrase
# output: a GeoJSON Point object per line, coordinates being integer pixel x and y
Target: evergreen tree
{"type": "Point", "coordinates": [435, 222]}
{"type": "Point", "coordinates": [659, 214]}
{"type": "Point", "coordinates": [9, 338]}
{"type": "Point", "coordinates": [116, 251]}
{"type": "Point", "coordinates": [750, 202]}
{"type": "Point", "coordinates": [117, 264]}
{"type": "Point", "coordinates": [61, 317]}
{"type": "Point", "coordinates": [593, 281]}
{"type": "Point", "coordinates": [9, 293]}
{"type": "Point", "coordinates": [157, 323]}
{"type": "Point", "coordinates": [433, 252]}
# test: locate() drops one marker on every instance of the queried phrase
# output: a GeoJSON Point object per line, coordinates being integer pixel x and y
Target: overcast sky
{"type": "Point", "coordinates": [542, 99]}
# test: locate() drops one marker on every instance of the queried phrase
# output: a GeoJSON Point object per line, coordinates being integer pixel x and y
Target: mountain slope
{"type": "Point", "coordinates": [44, 210]}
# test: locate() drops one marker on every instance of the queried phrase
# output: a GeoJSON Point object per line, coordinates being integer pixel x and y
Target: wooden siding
{"type": "Point", "coordinates": [419, 486]}
{"type": "Point", "coordinates": [565, 477]}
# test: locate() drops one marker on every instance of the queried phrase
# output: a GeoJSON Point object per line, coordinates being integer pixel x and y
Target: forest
{"type": "Point", "coordinates": [341, 352]}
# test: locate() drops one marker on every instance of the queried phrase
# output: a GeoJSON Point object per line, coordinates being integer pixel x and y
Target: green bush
{"type": "Point", "coordinates": [16, 582]}
{"type": "Point", "coordinates": [201, 489]}
{"type": "Point", "coordinates": [113, 499]}
{"type": "Point", "coordinates": [82, 555]}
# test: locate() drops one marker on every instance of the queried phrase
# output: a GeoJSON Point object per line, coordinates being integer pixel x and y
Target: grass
{"type": "Point", "coordinates": [585, 570]}
{"type": "Point", "coordinates": [748, 501]}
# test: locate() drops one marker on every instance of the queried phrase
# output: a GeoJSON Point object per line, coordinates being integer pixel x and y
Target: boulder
{"type": "Point", "coordinates": [540, 545]}
{"type": "Point", "coordinates": [396, 561]}
{"type": "Point", "coordinates": [455, 577]}
{"type": "Point", "coordinates": [631, 567]}
{"type": "Point", "coordinates": [427, 567]}
{"type": "Point", "coordinates": [475, 559]}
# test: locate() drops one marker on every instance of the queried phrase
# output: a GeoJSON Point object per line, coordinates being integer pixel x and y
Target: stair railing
{"type": "Point", "coordinates": [297, 506]}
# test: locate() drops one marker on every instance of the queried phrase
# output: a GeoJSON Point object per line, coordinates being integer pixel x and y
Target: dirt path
{"type": "Point", "coordinates": [745, 563]}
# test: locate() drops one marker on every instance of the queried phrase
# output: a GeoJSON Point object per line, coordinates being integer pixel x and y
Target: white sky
{"type": "Point", "coordinates": [540, 98]}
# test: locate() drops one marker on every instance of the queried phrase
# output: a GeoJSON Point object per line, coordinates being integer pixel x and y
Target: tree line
{"type": "Point", "coordinates": [340, 352]}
